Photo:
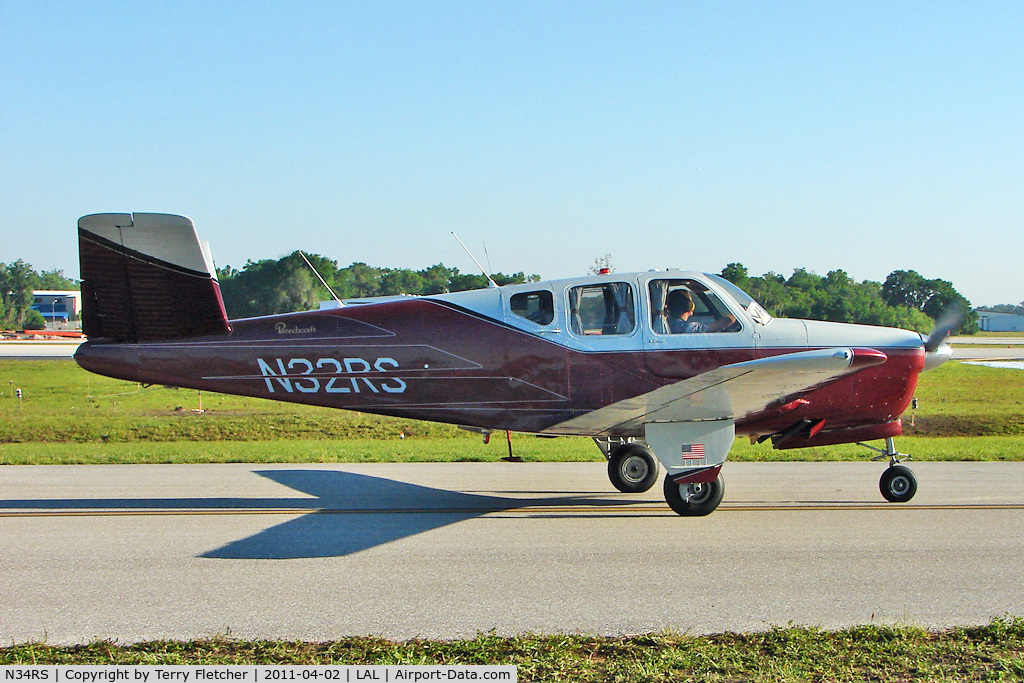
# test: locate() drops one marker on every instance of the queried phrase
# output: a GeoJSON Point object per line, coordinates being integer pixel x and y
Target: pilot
{"type": "Point", "coordinates": [679, 307]}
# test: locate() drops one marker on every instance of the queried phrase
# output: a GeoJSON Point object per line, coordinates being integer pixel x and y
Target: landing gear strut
{"type": "Point", "coordinates": [898, 483]}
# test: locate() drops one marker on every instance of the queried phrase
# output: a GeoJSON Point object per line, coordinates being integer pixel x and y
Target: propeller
{"type": "Point", "coordinates": [944, 326]}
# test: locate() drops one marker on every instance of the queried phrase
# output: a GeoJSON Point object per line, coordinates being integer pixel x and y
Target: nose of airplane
{"type": "Point", "coordinates": [942, 353]}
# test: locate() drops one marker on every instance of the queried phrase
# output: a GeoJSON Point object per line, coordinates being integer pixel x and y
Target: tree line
{"type": "Point", "coordinates": [17, 281]}
{"type": "Point", "coordinates": [287, 284]}
{"type": "Point", "coordinates": [1013, 309]}
{"type": "Point", "coordinates": [906, 299]}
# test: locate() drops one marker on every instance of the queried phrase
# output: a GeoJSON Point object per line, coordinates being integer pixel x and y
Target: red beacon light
{"type": "Point", "coordinates": [605, 271]}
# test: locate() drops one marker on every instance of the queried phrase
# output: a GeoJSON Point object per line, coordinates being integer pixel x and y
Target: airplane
{"type": "Point", "coordinates": [611, 356]}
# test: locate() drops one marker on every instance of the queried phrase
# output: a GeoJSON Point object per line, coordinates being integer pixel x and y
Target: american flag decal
{"type": "Point", "coordinates": [693, 451]}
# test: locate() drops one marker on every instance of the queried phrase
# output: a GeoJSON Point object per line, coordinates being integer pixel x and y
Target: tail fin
{"type": "Point", "coordinates": [147, 277]}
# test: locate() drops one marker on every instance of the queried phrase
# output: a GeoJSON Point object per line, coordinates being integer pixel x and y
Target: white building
{"type": "Point", "coordinates": [1000, 322]}
{"type": "Point", "coordinates": [57, 304]}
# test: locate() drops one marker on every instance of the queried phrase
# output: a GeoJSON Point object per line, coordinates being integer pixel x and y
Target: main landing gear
{"type": "Point", "coordinates": [694, 500]}
{"type": "Point", "coordinates": [632, 468]}
{"type": "Point", "coordinates": [898, 483]}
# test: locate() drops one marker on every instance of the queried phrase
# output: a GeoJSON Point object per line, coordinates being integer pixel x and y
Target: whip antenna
{"type": "Point", "coordinates": [490, 281]}
{"type": "Point", "coordinates": [322, 280]}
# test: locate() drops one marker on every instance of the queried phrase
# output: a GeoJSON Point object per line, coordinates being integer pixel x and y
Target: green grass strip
{"type": "Point", "coordinates": [68, 415]}
{"type": "Point", "coordinates": [469, 449]}
{"type": "Point", "coordinates": [466, 449]}
{"type": "Point", "coordinates": [993, 652]}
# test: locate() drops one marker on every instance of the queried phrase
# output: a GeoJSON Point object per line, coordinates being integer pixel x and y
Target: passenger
{"type": "Point", "coordinates": [678, 309]}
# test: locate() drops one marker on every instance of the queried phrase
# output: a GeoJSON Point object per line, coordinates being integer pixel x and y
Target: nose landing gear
{"type": "Point", "coordinates": [898, 483]}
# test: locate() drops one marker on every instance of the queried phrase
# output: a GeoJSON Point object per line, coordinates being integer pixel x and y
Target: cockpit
{"type": "Point", "coordinates": [659, 303]}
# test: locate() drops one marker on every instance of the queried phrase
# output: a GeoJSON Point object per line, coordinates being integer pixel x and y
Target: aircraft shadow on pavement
{"type": "Point", "coordinates": [354, 512]}
{"type": "Point", "coordinates": [346, 512]}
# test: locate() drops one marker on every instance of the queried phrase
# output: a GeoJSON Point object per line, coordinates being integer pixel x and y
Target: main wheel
{"type": "Point", "coordinates": [632, 468]}
{"type": "Point", "coordinates": [898, 484]}
{"type": "Point", "coordinates": [694, 500]}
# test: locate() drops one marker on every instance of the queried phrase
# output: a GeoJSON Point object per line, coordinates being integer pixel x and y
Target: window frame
{"type": "Point", "coordinates": [542, 294]}
{"type": "Point", "coordinates": [571, 311]}
{"type": "Point", "coordinates": [702, 294]}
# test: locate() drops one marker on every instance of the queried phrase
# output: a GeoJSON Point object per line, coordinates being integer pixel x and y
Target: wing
{"type": "Point", "coordinates": [730, 392]}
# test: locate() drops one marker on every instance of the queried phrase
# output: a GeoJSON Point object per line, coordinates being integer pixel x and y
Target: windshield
{"type": "Point", "coordinates": [753, 309]}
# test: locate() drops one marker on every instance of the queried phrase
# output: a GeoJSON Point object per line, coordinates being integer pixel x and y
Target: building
{"type": "Point", "coordinates": [989, 321]}
{"type": "Point", "coordinates": [57, 305]}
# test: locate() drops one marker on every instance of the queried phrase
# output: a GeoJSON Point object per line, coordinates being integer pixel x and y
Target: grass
{"type": "Point", "coordinates": [459, 449]}
{"type": "Point", "coordinates": [68, 415]}
{"type": "Point", "coordinates": [996, 334]}
{"type": "Point", "coordinates": [969, 400]}
{"type": "Point", "coordinates": [993, 652]}
{"type": "Point", "coordinates": [63, 403]}
{"type": "Point", "coordinates": [469, 448]}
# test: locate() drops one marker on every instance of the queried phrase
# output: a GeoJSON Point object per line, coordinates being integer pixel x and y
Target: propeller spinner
{"type": "Point", "coordinates": [937, 351]}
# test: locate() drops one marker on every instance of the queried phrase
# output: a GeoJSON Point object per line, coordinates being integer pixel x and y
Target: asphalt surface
{"type": "Point", "coordinates": [998, 352]}
{"type": "Point", "coordinates": [447, 550]}
{"type": "Point", "coordinates": [38, 350]}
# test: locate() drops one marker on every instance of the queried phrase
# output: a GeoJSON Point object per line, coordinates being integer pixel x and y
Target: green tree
{"type": "Point", "coordinates": [362, 280]}
{"type": "Point", "coordinates": [54, 279]}
{"type": "Point", "coordinates": [736, 273]}
{"type": "Point", "coordinates": [936, 298]}
{"type": "Point", "coordinates": [34, 320]}
{"type": "Point", "coordinates": [901, 302]}
{"type": "Point", "coordinates": [1004, 308]}
{"type": "Point", "coordinates": [17, 280]}
{"type": "Point", "coordinates": [461, 282]}
{"type": "Point", "coordinates": [906, 288]}
{"type": "Point", "coordinates": [401, 282]}
{"type": "Point", "coordinates": [436, 278]}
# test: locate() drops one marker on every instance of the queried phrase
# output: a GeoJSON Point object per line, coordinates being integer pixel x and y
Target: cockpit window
{"type": "Point", "coordinates": [603, 309]}
{"type": "Point", "coordinates": [538, 307]}
{"type": "Point", "coordinates": [753, 309]}
{"type": "Point", "coordinates": [687, 306]}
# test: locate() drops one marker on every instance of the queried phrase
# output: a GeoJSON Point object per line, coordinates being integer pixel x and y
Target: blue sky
{"type": "Point", "coordinates": [863, 136]}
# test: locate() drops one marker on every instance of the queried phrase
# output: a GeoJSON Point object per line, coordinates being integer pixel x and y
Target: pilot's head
{"type": "Point", "coordinates": [679, 301]}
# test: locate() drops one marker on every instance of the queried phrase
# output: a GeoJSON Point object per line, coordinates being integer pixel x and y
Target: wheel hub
{"type": "Point", "coordinates": [899, 485]}
{"type": "Point", "coordinates": [694, 494]}
{"type": "Point", "coordinates": [634, 469]}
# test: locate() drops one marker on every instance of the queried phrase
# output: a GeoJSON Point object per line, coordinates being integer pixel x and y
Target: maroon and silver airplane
{"type": "Point", "coordinates": [613, 357]}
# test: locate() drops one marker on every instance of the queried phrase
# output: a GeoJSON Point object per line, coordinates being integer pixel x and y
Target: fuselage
{"type": "Point", "coordinates": [526, 357]}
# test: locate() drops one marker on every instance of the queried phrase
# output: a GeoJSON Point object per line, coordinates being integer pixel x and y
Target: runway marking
{"type": "Point", "coordinates": [527, 511]}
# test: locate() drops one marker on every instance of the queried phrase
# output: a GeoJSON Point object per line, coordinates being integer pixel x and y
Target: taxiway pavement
{"type": "Point", "coordinates": [320, 551]}
{"type": "Point", "coordinates": [38, 350]}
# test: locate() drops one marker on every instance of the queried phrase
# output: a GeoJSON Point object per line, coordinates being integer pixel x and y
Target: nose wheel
{"type": "Point", "coordinates": [898, 483]}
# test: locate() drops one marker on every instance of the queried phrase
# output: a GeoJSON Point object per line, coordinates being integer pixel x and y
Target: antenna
{"type": "Point", "coordinates": [322, 280]}
{"type": "Point", "coordinates": [490, 282]}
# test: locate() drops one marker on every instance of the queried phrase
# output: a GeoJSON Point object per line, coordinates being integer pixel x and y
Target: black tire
{"type": "Point", "coordinates": [632, 468]}
{"type": "Point", "coordinates": [698, 500]}
{"type": "Point", "coordinates": [898, 484]}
